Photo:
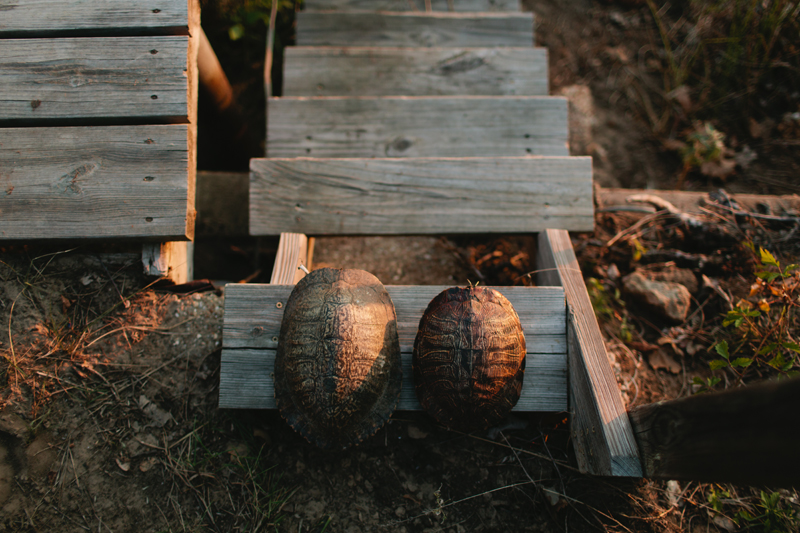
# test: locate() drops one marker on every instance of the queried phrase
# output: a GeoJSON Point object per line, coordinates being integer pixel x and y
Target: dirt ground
{"type": "Point", "coordinates": [109, 416]}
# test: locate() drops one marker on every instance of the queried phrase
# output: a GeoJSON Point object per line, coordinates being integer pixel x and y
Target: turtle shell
{"type": "Point", "coordinates": [337, 367]}
{"type": "Point", "coordinates": [469, 358]}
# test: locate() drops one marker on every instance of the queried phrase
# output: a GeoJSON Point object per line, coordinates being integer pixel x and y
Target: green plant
{"type": "Point", "coordinates": [251, 16]}
{"type": "Point", "coordinates": [760, 330]}
{"type": "Point", "coordinates": [609, 307]}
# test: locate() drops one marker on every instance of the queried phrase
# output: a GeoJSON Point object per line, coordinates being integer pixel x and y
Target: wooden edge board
{"type": "Point", "coordinates": [411, 5]}
{"type": "Point", "coordinates": [253, 313]}
{"type": "Point", "coordinates": [745, 435]}
{"type": "Point", "coordinates": [246, 382]}
{"type": "Point", "coordinates": [97, 183]}
{"type": "Point", "coordinates": [602, 434]}
{"type": "Point", "coordinates": [292, 252]}
{"type": "Point", "coordinates": [43, 18]}
{"type": "Point", "coordinates": [341, 196]}
{"type": "Point", "coordinates": [384, 71]}
{"type": "Point", "coordinates": [84, 79]}
{"type": "Point", "coordinates": [414, 29]}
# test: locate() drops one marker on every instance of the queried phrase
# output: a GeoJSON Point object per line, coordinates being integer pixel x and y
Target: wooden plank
{"type": "Point", "coordinates": [40, 18]}
{"type": "Point", "coordinates": [602, 434]}
{"type": "Point", "coordinates": [246, 382]}
{"type": "Point", "coordinates": [97, 182]}
{"type": "Point", "coordinates": [253, 314]}
{"type": "Point", "coordinates": [411, 5]}
{"type": "Point", "coordinates": [332, 28]}
{"type": "Point", "coordinates": [292, 252]}
{"type": "Point", "coordinates": [420, 196]}
{"type": "Point", "coordinates": [746, 435]}
{"type": "Point", "coordinates": [95, 78]}
{"type": "Point", "coordinates": [386, 71]}
{"type": "Point", "coordinates": [171, 260]}
{"type": "Point", "coordinates": [418, 126]}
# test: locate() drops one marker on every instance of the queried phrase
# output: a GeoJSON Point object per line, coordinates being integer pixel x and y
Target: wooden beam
{"type": "Point", "coordinates": [386, 71]}
{"type": "Point", "coordinates": [41, 18]}
{"type": "Point", "coordinates": [745, 435]}
{"type": "Point", "coordinates": [420, 196]}
{"type": "Point", "coordinates": [97, 182]}
{"type": "Point", "coordinates": [410, 5]}
{"type": "Point", "coordinates": [114, 79]}
{"type": "Point", "coordinates": [334, 28]}
{"type": "Point", "coordinates": [419, 126]}
{"type": "Point", "coordinates": [253, 315]}
{"type": "Point", "coordinates": [171, 260]}
{"type": "Point", "coordinates": [292, 253]}
{"type": "Point", "coordinates": [602, 434]}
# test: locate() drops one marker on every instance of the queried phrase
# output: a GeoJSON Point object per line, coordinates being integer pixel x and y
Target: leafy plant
{"type": "Point", "coordinates": [609, 307]}
{"type": "Point", "coordinates": [760, 329]}
{"type": "Point", "coordinates": [251, 16]}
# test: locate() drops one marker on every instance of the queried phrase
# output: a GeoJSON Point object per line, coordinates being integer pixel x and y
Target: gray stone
{"type": "Point", "coordinates": [668, 299]}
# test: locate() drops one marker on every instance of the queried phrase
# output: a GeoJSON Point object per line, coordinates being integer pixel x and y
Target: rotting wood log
{"type": "Point", "coordinates": [602, 435]}
{"type": "Point", "coordinates": [744, 435]}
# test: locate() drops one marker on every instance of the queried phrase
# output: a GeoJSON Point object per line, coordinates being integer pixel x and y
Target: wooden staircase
{"type": "Point", "coordinates": [434, 122]}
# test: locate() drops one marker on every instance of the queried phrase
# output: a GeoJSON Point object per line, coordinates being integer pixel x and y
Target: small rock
{"type": "Point", "coordinates": [400, 512]}
{"type": "Point", "coordinates": [416, 433]}
{"type": "Point", "coordinates": [684, 276]}
{"type": "Point", "coordinates": [613, 272]}
{"type": "Point", "coordinates": [668, 299]}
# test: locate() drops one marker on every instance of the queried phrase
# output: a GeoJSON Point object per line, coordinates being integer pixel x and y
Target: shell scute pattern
{"type": "Point", "coordinates": [337, 367]}
{"type": "Point", "coordinates": [469, 358]}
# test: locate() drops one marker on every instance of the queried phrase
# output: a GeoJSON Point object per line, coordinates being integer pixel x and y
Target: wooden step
{"type": "Point", "coordinates": [42, 18]}
{"type": "Point", "coordinates": [386, 71]}
{"type": "Point", "coordinates": [333, 28]}
{"type": "Point", "coordinates": [420, 196]}
{"type": "Point", "coordinates": [418, 126]}
{"type": "Point", "coordinates": [97, 182]}
{"type": "Point", "coordinates": [411, 5]}
{"type": "Point", "coordinates": [81, 80]}
{"type": "Point", "coordinates": [253, 315]}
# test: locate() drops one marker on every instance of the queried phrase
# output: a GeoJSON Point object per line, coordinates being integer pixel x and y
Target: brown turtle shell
{"type": "Point", "coordinates": [337, 367]}
{"type": "Point", "coordinates": [469, 358]}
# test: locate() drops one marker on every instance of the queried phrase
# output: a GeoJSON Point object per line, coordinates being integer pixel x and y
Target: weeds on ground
{"type": "Point", "coordinates": [759, 333]}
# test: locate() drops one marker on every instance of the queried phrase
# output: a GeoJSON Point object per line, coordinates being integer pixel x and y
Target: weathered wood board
{"type": "Point", "coordinates": [80, 79]}
{"type": "Point", "coordinates": [97, 182]}
{"type": "Point", "coordinates": [411, 5]}
{"type": "Point", "coordinates": [332, 28]}
{"type": "Point", "coordinates": [39, 18]}
{"type": "Point", "coordinates": [602, 434]}
{"type": "Point", "coordinates": [253, 315]}
{"type": "Point", "coordinates": [387, 71]}
{"type": "Point", "coordinates": [745, 435]}
{"type": "Point", "coordinates": [292, 252]}
{"type": "Point", "coordinates": [419, 126]}
{"type": "Point", "coordinates": [420, 196]}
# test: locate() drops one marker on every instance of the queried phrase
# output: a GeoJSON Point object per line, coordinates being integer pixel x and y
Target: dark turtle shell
{"type": "Point", "coordinates": [469, 358]}
{"type": "Point", "coordinates": [337, 367]}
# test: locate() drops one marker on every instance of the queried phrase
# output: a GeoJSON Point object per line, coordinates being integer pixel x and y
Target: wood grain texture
{"type": "Point", "coordinates": [386, 71]}
{"type": "Point", "coordinates": [420, 126]}
{"type": "Point", "coordinates": [31, 18]}
{"type": "Point", "coordinates": [86, 78]}
{"type": "Point", "coordinates": [246, 382]}
{"type": "Point", "coordinates": [410, 5]}
{"type": "Point", "coordinates": [253, 315]}
{"type": "Point", "coordinates": [745, 435]}
{"type": "Point", "coordinates": [420, 196]}
{"type": "Point", "coordinates": [602, 434]}
{"type": "Point", "coordinates": [292, 252]}
{"type": "Point", "coordinates": [97, 182]}
{"type": "Point", "coordinates": [171, 260]}
{"type": "Point", "coordinates": [333, 28]}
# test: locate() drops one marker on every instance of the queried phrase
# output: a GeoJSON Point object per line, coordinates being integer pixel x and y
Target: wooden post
{"type": "Point", "coordinates": [745, 435]}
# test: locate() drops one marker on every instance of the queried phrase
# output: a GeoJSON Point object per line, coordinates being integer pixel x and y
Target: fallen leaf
{"type": "Point", "coordinates": [660, 360]}
{"type": "Point", "coordinates": [124, 466]}
{"type": "Point", "coordinates": [147, 464]}
{"type": "Point", "coordinates": [415, 433]}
